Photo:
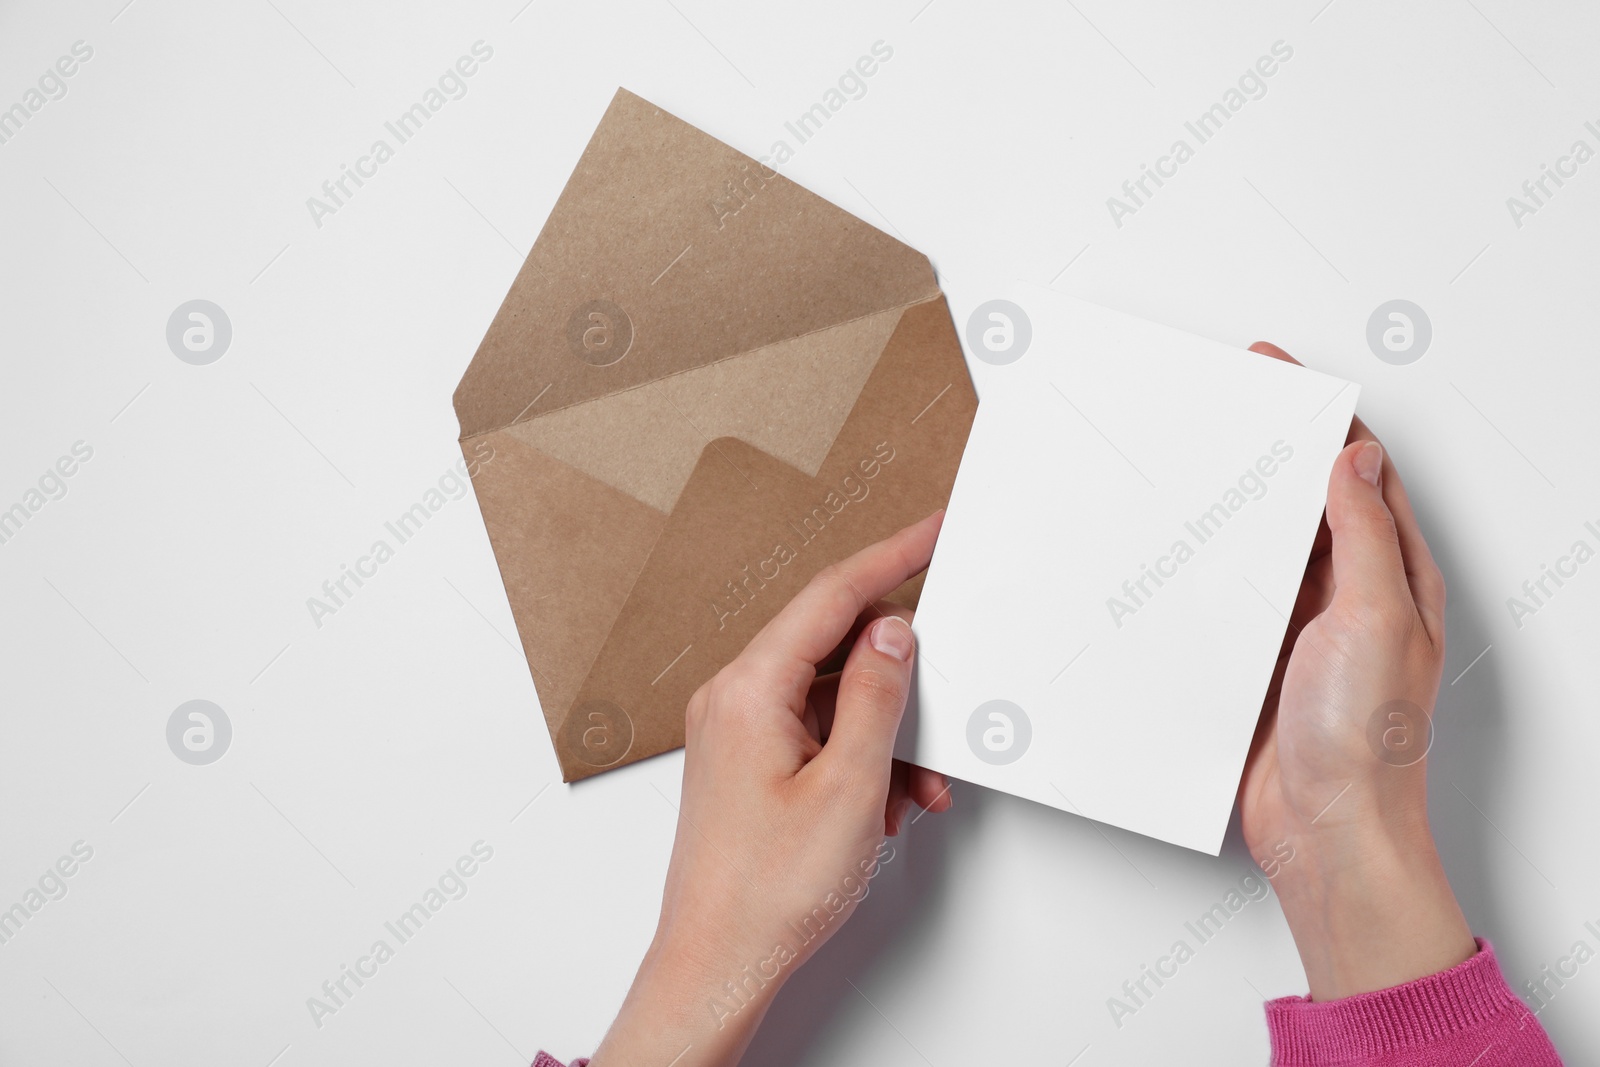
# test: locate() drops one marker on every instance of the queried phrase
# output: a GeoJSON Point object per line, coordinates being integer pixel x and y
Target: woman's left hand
{"type": "Point", "coordinates": [789, 787]}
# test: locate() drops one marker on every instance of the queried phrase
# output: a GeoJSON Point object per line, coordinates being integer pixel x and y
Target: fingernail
{"type": "Point", "coordinates": [892, 637]}
{"type": "Point", "coordinates": [1369, 462]}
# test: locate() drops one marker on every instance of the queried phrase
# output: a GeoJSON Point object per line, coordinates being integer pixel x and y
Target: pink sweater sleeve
{"type": "Point", "coordinates": [544, 1059]}
{"type": "Point", "coordinates": [1466, 1015]}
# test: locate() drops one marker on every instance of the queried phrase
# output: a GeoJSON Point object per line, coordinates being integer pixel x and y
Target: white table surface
{"type": "Point", "coordinates": [371, 752]}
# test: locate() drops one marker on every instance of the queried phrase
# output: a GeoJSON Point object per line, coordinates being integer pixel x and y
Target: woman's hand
{"type": "Point", "coordinates": [789, 787]}
{"type": "Point", "coordinates": [1334, 796]}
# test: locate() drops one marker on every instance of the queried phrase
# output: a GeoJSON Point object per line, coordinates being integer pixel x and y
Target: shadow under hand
{"type": "Point", "coordinates": [906, 895]}
{"type": "Point", "coordinates": [1469, 727]}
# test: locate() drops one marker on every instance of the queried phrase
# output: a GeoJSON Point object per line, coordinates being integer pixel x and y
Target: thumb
{"type": "Point", "coordinates": [872, 697]}
{"type": "Point", "coordinates": [1368, 569]}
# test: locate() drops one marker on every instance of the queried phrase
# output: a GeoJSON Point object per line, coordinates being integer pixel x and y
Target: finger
{"type": "Point", "coordinates": [785, 653]}
{"type": "Point", "coordinates": [899, 799]}
{"type": "Point", "coordinates": [1267, 348]}
{"type": "Point", "coordinates": [834, 660]}
{"type": "Point", "coordinates": [930, 789]}
{"type": "Point", "coordinates": [1422, 573]}
{"type": "Point", "coordinates": [872, 697]}
{"type": "Point", "coordinates": [1368, 570]}
{"type": "Point", "coordinates": [824, 693]}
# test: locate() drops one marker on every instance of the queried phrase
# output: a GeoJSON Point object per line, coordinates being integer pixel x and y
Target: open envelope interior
{"type": "Point", "coordinates": [705, 384]}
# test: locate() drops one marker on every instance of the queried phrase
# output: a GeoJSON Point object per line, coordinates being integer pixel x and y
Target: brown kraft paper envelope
{"type": "Point", "coordinates": [704, 385]}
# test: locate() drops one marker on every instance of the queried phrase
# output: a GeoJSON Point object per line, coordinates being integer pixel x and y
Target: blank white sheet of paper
{"type": "Point", "coordinates": [1113, 582]}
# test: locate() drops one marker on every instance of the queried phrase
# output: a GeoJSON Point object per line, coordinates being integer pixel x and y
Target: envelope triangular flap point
{"type": "Point", "coordinates": [642, 229]}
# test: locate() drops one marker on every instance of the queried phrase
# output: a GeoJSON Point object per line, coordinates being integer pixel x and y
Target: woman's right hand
{"type": "Point", "coordinates": [1334, 795]}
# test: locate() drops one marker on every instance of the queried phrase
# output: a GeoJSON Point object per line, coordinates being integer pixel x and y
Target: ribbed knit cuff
{"type": "Point", "coordinates": [544, 1059]}
{"type": "Point", "coordinates": [1388, 1021]}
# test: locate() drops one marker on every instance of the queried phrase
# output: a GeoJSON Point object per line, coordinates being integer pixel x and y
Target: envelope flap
{"type": "Point", "coordinates": [666, 251]}
{"type": "Point", "coordinates": [788, 399]}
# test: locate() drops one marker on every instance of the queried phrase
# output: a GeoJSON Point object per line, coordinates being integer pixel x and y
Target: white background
{"type": "Point", "coordinates": [369, 753]}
